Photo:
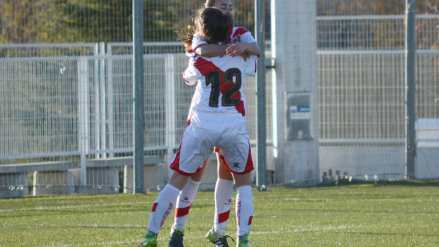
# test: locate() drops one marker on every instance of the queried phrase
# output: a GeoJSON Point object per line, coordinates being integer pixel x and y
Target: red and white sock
{"type": "Point", "coordinates": [184, 203]}
{"type": "Point", "coordinates": [244, 209]}
{"type": "Point", "coordinates": [162, 208]}
{"type": "Point", "coordinates": [223, 204]}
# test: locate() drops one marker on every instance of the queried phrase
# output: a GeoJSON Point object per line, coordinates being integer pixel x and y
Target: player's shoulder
{"type": "Point", "coordinates": [239, 31]}
{"type": "Point", "coordinates": [197, 41]}
{"type": "Point", "coordinates": [196, 36]}
{"type": "Point", "coordinates": [240, 34]}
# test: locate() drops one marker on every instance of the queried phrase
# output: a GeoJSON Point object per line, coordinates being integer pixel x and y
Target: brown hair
{"type": "Point", "coordinates": [187, 35]}
{"type": "Point", "coordinates": [213, 22]}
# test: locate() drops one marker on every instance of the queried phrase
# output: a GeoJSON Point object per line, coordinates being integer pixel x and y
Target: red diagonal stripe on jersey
{"type": "Point", "coordinates": [223, 217]}
{"type": "Point", "coordinates": [205, 67]}
{"type": "Point", "coordinates": [154, 207]}
{"type": "Point", "coordinates": [250, 220]}
{"type": "Point", "coordinates": [189, 120]}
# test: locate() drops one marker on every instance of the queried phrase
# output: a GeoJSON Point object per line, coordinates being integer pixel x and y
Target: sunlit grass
{"type": "Point", "coordinates": [356, 215]}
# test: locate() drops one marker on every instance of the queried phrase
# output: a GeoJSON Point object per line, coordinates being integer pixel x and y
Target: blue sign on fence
{"type": "Point", "coordinates": [297, 109]}
{"type": "Point", "coordinates": [300, 112]}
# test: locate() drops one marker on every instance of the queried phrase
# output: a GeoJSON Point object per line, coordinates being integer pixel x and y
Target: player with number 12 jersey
{"type": "Point", "coordinates": [217, 114]}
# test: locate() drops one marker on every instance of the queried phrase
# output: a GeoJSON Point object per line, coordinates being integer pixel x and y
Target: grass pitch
{"type": "Point", "coordinates": [355, 215]}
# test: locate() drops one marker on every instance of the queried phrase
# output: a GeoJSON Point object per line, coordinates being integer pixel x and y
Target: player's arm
{"type": "Point", "coordinates": [191, 74]}
{"type": "Point", "coordinates": [211, 50]}
{"type": "Point", "coordinates": [239, 48]}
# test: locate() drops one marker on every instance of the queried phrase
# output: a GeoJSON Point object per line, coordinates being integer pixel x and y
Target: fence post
{"type": "Point", "coordinates": [97, 131]}
{"type": "Point", "coordinates": [102, 102]}
{"type": "Point", "coordinates": [138, 119]}
{"type": "Point", "coordinates": [410, 56]}
{"type": "Point", "coordinates": [83, 115]}
{"type": "Point", "coordinates": [170, 108]}
{"type": "Point", "coordinates": [261, 127]}
{"type": "Point", "coordinates": [110, 102]}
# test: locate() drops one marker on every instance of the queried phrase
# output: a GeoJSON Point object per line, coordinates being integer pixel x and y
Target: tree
{"type": "Point", "coordinates": [17, 24]}
{"type": "Point", "coordinates": [36, 21]}
{"type": "Point", "coordinates": [373, 7]}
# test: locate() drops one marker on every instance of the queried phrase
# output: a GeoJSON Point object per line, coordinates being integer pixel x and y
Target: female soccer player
{"type": "Point", "coordinates": [242, 43]}
{"type": "Point", "coordinates": [217, 119]}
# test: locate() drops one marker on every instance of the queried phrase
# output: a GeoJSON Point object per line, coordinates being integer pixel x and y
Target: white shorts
{"type": "Point", "coordinates": [208, 130]}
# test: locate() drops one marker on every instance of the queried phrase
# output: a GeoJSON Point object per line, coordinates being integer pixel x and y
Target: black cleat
{"type": "Point", "coordinates": [176, 239]}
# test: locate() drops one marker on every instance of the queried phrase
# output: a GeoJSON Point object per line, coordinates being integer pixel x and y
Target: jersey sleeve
{"type": "Point", "coordinates": [191, 74]}
{"type": "Point", "coordinates": [242, 35]}
{"type": "Point", "coordinates": [197, 42]}
{"type": "Point", "coordinates": [247, 37]}
{"type": "Point", "coordinates": [251, 67]}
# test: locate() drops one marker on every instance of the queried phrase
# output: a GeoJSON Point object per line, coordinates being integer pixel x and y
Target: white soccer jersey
{"type": "Point", "coordinates": [219, 83]}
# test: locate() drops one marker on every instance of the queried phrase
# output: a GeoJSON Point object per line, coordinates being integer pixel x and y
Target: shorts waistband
{"type": "Point", "coordinates": [225, 114]}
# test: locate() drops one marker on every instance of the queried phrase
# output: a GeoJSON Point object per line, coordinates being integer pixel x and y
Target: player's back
{"type": "Point", "coordinates": [219, 83]}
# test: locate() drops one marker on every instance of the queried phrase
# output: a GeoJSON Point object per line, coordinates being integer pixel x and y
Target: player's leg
{"type": "Point", "coordinates": [223, 203]}
{"type": "Point", "coordinates": [194, 149]}
{"type": "Point", "coordinates": [237, 154]}
{"type": "Point", "coordinates": [244, 207]}
{"type": "Point", "coordinates": [184, 203]}
{"type": "Point", "coordinates": [162, 207]}
{"type": "Point", "coordinates": [244, 210]}
{"type": "Point", "coordinates": [223, 196]}
{"type": "Point", "coordinates": [186, 198]}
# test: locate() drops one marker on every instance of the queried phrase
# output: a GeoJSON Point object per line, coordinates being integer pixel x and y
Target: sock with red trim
{"type": "Point", "coordinates": [184, 202]}
{"type": "Point", "coordinates": [162, 207]}
{"type": "Point", "coordinates": [223, 204]}
{"type": "Point", "coordinates": [244, 209]}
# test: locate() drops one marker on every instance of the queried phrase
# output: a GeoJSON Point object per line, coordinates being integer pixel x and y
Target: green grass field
{"type": "Point", "coordinates": [355, 215]}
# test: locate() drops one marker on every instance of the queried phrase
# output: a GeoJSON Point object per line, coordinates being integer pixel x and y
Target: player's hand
{"type": "Point", "coordinates": [235, 49]}
{"type": "Point", "coordinates": [245, 55]}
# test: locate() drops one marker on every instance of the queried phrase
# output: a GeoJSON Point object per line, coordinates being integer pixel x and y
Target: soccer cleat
{"type": "Point", "coordinates": [243, 241]}
{"type": "Point", "coordinates": [176, 239]}
{"type": "Point", "coordinates": [217, 239]}
{"type": "Point", "coordinates": [150, 240]}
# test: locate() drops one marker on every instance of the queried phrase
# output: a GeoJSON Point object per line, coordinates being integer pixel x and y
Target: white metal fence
{"type": "Point", "coordinates": [71, 100]}
{"type": "Point", "coordinates": [90, 97]}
